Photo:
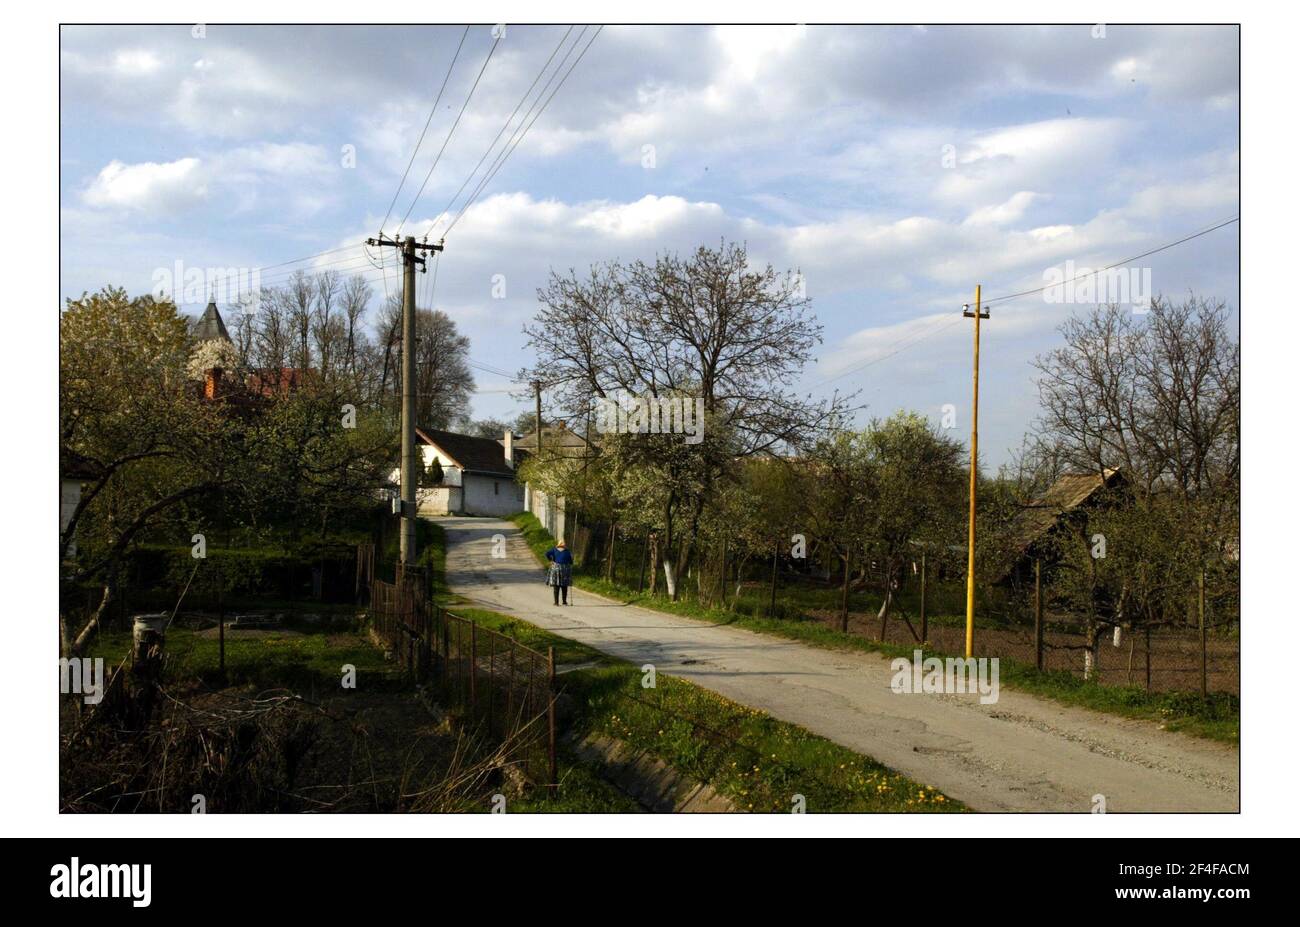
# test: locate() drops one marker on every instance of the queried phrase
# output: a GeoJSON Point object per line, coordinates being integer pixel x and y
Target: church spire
{"type": "Point", "coordinates": [211, 327]}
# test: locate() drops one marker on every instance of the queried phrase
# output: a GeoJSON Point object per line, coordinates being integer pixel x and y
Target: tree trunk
{"type": "Point", "coordinates": [1090, 653]}
{"type": "Point", "coordinates": [79, 643]}
{"type": "Point", "coordinates": [883, 614]}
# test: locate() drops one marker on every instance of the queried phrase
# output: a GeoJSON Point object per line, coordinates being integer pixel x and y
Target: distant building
{"type": "Point", "coordinates": [210, 326]}
{"type": "Point", "coordinates": [256, 384]}
{"type": "Point", "coordinates": [551, 512]}
{"type": "Point", "coordinates": [478, 476]}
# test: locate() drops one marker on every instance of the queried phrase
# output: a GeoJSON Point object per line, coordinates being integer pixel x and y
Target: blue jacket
{"type": "Point", "coordinates": [563, 557]}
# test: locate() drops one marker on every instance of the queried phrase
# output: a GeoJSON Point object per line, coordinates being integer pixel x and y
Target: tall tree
{"type": "Point", "coordinates": [127, 407]}
{"type": "Point", "coordinates": [707, 327]}
{"type": "Point", "coordinates": [1156, 394]}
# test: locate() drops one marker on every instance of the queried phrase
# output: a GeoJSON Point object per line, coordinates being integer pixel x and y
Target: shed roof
{"type": "Point", "coordinates": [552, 436]}
{"type": "Point", "coordinates": [1070, 491]}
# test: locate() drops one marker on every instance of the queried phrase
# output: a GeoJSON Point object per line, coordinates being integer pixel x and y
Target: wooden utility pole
{"type": "Point", "coordinates": [412, 254]}
{"type": "Point", "coordinates": [974, 470]}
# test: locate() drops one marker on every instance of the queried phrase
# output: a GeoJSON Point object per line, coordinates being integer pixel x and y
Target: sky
{"type": "Point", "coordinates": [893, 168]}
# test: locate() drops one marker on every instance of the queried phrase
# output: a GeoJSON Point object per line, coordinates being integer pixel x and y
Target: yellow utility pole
{"type": "Point", "coordinates": [974, 464]}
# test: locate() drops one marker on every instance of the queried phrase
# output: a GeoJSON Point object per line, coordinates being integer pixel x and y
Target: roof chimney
{"type": "Point", "coordinates": [212, 383]}
{"type": "Point", "coordinates": [509, 441]}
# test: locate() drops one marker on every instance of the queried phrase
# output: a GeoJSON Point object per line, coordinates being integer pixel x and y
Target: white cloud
{"type": "Point", "coordinates": [1003, 213]}
{"type": "Point", "coordinates": [147, 186]}
{"type": "Point", "coordinates": [133, 62]}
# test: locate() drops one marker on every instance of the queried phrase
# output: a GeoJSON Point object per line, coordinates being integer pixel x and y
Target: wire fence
{"type": "Point", "coordinates": [1176, 656]}
{"type": "Point", "coordinates": [507, 690]}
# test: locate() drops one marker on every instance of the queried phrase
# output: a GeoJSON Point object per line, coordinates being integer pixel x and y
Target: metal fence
{"type": "Point", "coordinates": [1174, 657]}
{"type": "Point", "coordinates": [505, 689]}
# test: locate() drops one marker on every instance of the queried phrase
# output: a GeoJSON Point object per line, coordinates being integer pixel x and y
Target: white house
{"type": "Point", "coordinates": [478, 476]}
{"type": "Point", "coordinates": [74, 470]}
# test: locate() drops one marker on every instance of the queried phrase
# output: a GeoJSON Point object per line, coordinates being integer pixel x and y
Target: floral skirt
{"type": "Point", "coordinates": [560, 574]}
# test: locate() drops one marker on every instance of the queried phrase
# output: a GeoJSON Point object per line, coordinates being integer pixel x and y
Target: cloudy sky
{"type": "Point", "coordinates": [894, 167]}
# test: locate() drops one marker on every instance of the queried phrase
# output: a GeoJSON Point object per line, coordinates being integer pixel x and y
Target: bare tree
{"type": "Point", "coordinates": [1158, 395]}
{"type": "Point", "coordinates": [709, 327]}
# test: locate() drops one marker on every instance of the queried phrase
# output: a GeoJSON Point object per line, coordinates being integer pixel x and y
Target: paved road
{"type": "Point", "coordinates": [1020, 754]}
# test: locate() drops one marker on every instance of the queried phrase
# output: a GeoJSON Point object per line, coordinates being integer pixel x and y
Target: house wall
{"type": "Point", "coordinates": [450, 472]}
{"type": "Point", "coordinates": [69, 498]}
{"type": "Point", "coordinates": [491, 495]}
{"type": "Point", "coordinates": [550, 512]}
{"type": "Point", "coordinates": [440, 500]}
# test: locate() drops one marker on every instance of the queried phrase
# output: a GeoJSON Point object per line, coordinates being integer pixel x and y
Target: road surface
{"type": "Point", "coordinates": [1020, 754]}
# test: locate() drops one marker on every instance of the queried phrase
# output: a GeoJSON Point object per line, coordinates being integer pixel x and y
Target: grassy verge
{"type": "Point", "coordinates": [1217, 718]}
{"type": "Point", "coordinates": [758, 762]}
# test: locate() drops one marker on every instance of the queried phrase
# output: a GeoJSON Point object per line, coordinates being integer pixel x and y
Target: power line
{"type": "Point", "coordinates": [357, 260]}
{"type": "Point", "coordinates": [446, 209]}
{"type": "Point", "coordinates": [899, 346]}
{"type": "Point", "coordinates": [307, 258]}
{"type": "Point", "coordinates": [433, 109]}
{"type": "Point", "coordinates": [486, 368]}
{"type": "Point", "coordinates": [509, 151]}
{"type": "Point", "coordinates": [1128, 260]}
{"type": "Point", "coordinates": [944, 324]}
{"type": "Point", "coordinates": [496, 41]}
{"type": "Point", "coordinates": [382, 267]}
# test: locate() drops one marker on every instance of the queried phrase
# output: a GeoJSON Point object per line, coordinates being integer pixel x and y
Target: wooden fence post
{"type": "Point", "coordinates": [510, 685]}
{"type": "Point", "coordinates": [776, 554]}
{"type": "Point", "coordinates": [1038, 613]}
{"type": "Point", "coordinates": [645, 555]}
{"type": "Point", "coordinates": [473, 664]}
{"type": "Point", "coordinates": [550, 719]}
{"type": "Point", "coordinates": [1200, 617]}
{"type": "Point", "coordinates": [221, 626]}
{"type": "Point", "coordinates": [492, 660]}
{"type": "Point", "coordinates": [844, 596]}
{"type": "Point", "coordinates": [723, 580]}
{"type": "Point", "coordinates": [925, 620]}
{"type": "Point", "coordinates": [1148, 657]}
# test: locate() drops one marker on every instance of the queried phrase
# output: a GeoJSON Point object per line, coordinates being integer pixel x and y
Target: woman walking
{"type": "Point", "coordinates": [560, 575]}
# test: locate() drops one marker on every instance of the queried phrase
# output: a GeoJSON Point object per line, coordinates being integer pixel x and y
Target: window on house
{"type": "Point", "coordinates": [496, 489]}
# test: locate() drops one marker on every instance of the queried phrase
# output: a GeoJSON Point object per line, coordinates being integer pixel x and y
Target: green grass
{"type": "Point", "coordinates": [582, 791]}
{"type": "Point", "coordinates": [305, 662]}
{"type": "Point", "coordinates": [1216, 718]}
{"type": "Point", "coordinates": [758, 762]}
